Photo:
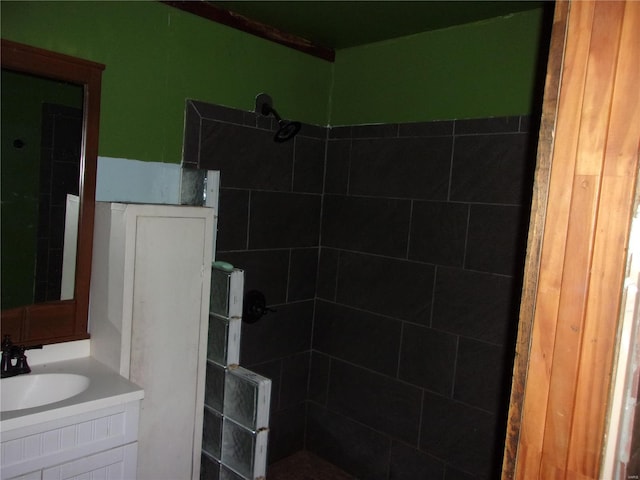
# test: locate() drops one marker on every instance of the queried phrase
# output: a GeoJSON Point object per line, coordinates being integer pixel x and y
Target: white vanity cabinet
{"type": "Point", "coordinates": [98, 444]}
{"type": "Point", "coordinates": [148, 320]}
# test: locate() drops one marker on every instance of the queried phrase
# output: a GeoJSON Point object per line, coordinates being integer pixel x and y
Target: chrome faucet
{"type": "Point", "coordinates": [11, 352]}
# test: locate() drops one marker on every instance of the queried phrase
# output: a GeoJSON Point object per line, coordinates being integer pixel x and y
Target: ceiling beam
{"type": "Point", "coordinates": [234, 20]}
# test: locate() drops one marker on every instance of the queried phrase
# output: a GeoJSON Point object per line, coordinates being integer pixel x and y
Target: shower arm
{"type": "Point", "coordinates": [287, 129]}
{"type": "Point", "coordinates": [269, 110]}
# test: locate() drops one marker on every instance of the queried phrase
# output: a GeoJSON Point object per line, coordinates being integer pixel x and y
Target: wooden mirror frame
{"type": "Point", "coordinates": [63, 320]}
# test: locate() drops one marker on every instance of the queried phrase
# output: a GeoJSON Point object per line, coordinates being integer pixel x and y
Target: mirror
{"type": "Point", "coordinates": [52, 305]}
{"type": "Point", "coordinates": [41, 130]}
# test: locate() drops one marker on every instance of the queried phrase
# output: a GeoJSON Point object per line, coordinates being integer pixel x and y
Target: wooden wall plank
{"type": "Point", "coordinates": [532, 432]}
{"type": "Point", "coordinates": [619, 176]}
{"type": "Point", "coordinates": [622, 146]}
{"type": "Point", "coordinates": [566, 353]}
{"type": "Point", "coordinates": [600, 324]}
{"type": "Point", "coordinates": [594, 105]}
{"type": "Point", "coordinates": [587, 219]}
{"type": "Point", "coordinates": [598, 92]}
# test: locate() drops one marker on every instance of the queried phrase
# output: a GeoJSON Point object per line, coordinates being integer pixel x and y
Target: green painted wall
{"type": "Point", "coordinates": [476, 70]}
{"type": "Point", "coordinates": [156, 57]}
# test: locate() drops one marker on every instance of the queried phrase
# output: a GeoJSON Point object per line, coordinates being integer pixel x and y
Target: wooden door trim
{"type": "Point", "coordinates": [536, 230]}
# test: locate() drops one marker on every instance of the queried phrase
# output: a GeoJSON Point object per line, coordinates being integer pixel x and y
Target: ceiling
{"type": "Point", "coordinates": [342, 24]}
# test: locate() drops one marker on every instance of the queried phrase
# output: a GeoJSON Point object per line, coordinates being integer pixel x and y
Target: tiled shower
{"type": "Point", "coordinates": [392, 255]}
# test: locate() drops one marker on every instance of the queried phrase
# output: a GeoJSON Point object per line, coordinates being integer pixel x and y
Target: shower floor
{"type": "Point", "coordinates": [305, 466]}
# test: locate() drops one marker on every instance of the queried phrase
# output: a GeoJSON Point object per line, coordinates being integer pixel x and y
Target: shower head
{"type": "Point", "coordinates": [286, 129]}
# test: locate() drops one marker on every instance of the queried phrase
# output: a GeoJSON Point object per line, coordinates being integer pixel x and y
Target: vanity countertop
{"type": "Point", "coordinates": [106, 388]}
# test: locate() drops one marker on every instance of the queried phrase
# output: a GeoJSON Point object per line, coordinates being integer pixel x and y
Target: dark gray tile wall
{"type": "Point", "coordinates": [59, 173]}
{"type": "Point", "coordinates": [269, 225]}
{"type": "Point", "coordinates": [347, 443]}
{"type": "Point", "coordinates": [393, 256]}
{"type": "Point", "coordinates": [422, 242]}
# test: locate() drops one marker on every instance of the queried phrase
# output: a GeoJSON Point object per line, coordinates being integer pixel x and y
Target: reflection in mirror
{"type": "Point", "coordinates": [41, 130]}
{"type": "Point", "coordinates": [46, 271]}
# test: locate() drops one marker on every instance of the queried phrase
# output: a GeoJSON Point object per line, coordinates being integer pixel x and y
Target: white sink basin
{"type": "Point", "coordinates": [35, 390]}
